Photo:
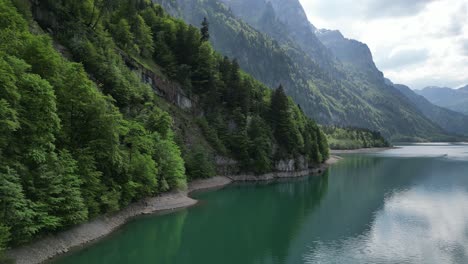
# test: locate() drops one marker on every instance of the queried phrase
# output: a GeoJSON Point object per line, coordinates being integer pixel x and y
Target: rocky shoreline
{"type": "Point", "coordinates": [60, 243]}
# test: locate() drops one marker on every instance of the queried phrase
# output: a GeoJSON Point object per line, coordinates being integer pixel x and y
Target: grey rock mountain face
{"type": "Point", "coordinates": [349, 51]}
{"type": "Point", "coordinates": [286, 22]}
{"type": "Point", "coordinates": [454, 99]}
{"type": "Point", "coordinates": [333, 78]}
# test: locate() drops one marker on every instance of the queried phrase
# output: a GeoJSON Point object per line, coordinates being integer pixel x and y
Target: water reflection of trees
{"type": "Point", "coordinates": [274, 222]}
{"type": "Point", "coordinates": [250, 223]}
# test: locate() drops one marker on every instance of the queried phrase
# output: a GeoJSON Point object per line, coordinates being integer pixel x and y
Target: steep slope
{"type": "Point", "coordinates": [337, 95]}
{"type": "Point", "coordinates": [354, 55]}
{"type": "Point", "coordinates": [286, 22]}
{"type": "Point", "coordinates": [85, 134]}
{"type": "Point", "coordinates": [454, 99]}
{"type": "Point", "coordinates": [449, 120]}
{"type": "Point", "coordinates": [357, 58]}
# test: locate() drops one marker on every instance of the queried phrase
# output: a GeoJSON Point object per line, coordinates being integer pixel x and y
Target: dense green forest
{"type": "Point", "coordinates": [274, 43]}
{"type": "Point", "coordinates": [83, 135]}
{"type": "Point", "coordinates": [353, 138]}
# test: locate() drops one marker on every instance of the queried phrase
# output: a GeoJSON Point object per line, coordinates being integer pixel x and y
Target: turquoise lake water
{"type": "Point", "coordinates": [406, 205]}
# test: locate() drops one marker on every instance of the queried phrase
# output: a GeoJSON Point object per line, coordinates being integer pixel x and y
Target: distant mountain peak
{"type": "Point", "coordinates": [329, 33]}
{"type": "Point", "coordinates": [454, 99]}
{"type": "Point", "coordinates": [349, 51]}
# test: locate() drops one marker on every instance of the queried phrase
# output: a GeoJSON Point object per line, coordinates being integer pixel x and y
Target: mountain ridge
{"type": "Point", "coordinates": [453, 99]}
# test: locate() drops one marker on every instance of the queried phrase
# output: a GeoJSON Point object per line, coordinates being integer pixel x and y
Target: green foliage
{"type": "Point", "coordinates": [72, 148]}
{"type": "Point", "coordinates": [353, 138]}
{"type": "Point", "coordinates": [261, 147]}
{"type": "Point", "coordinates": [82, 139]}
{"type": "Point", "coordinates": [199, 164]}
{"type": "Point", "coordinates": [172, 170]}
{"type": "Point", "coordinates": [205, 30]}
{"type": "Point", "coordinates": [123, 35]}
{"type": "Point", "coordinates": [281, 119]}
{"type": "Point", "coordinates": [5, 237]}
{"type": "Point", "coordinates": [16, 211]}
{"type": "Point", "coordinates": [276, 47]}
{"type": "Point", "coordinates": [58, 192]}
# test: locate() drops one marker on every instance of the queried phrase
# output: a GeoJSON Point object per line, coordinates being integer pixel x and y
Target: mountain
{"type": "Point", "coordinates": [454, 99]}
{"type": "Point", "coordinates": [357, 57]}
{"type": "Point", "coordinates": [284, 21]}
{"type": "Point", "coordinates": [451, 121]}
{"type": "Point", "coordinates": [105, 105]}
{"type": "Point", "coordinates": [354, 55]}
{"type": "Point", "coordinates": [278, 45]}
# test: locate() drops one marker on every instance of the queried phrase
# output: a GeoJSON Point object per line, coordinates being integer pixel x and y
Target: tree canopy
{"type": "Point", "coordinates": [81, 134]}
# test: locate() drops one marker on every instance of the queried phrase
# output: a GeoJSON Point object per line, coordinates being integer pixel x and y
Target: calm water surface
{"type": "Point", "coordinates": [408, 205]}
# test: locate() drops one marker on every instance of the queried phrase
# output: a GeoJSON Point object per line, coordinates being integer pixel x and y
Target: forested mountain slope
{"type": "Point", "coordinates": [114, 116]}
{"type": "Point", "coordinates": [353, 138]}
{"type": "Point", "coordinates": [357, 58]}
{"type": "Point", "coordinates": [330, 91]}
{"type": "Point", "coordinates": [454, 99]}
{"type": "Point", "coordinates": [452, 121]}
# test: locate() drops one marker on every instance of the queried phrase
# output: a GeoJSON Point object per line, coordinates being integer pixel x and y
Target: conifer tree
{"type": "Point", "coordinates": [205, 30]}
{"type": "Point", "coordinates": [281, 119]}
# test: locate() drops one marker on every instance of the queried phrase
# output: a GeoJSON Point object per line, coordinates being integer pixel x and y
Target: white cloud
{"type": "Point", "coordinates": [403, 57]}
{"type": "Point", "coordinates": [415, 226]}
{"type": "Point", "coordinates": [436, 31]}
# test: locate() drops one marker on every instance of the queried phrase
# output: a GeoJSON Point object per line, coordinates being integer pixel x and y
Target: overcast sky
{"type": "Point", "coordinates": [414, 42]}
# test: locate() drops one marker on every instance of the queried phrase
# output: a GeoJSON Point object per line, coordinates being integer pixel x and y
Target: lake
{"type": "Point", "coordinates": [406, 205]}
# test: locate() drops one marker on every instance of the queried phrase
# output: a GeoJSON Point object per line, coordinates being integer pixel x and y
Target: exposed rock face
{"type": "Point", "coordinates": [292, 165]}
{"type": "Point", "coordinates": [226, 166]}
{"type": "Point", "coordinates": [285, 165]}
{"type": "Point", "coordinates": [292, 14]}
{"type": "Point", "coordinates": [285, 21]}
{"type": "Point", "coordinates": [169, 90]}
{"type": "Point", "coordinates": [348, 51]}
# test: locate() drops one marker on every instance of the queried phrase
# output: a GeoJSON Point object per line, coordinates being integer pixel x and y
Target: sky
{"type": "Point", "coordinates": [418, 43]}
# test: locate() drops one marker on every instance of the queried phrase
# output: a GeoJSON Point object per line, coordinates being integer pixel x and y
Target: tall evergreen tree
{"type": "Point", "coordinates": [205, 30]}
{"type": "Point", "coordinates": [281, 118]}
{"type": "Point", "coordinates": [203, 75]}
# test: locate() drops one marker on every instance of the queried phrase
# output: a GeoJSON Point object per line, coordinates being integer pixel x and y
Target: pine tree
{"type": "Point", "coordinates": [205, 30]}
{"type": "Point", "coordinates": [260, 146]}
{"type": "Point", "coordinates": [164, 56]}
{"type": "Point", "coordinates": [143, 36]}
{"type": "Point", "coordinates": [281, 119]}
{"type": "Point", "coordinates": [203, 75]}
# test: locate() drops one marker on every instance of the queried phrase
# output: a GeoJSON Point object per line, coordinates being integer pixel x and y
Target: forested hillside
{"type": "Point", "coordinates": [82, 134]}
{"type": "Point", "coordinates": [345, 138]}
{"type": "Point", "coordinates": [270, 46]}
